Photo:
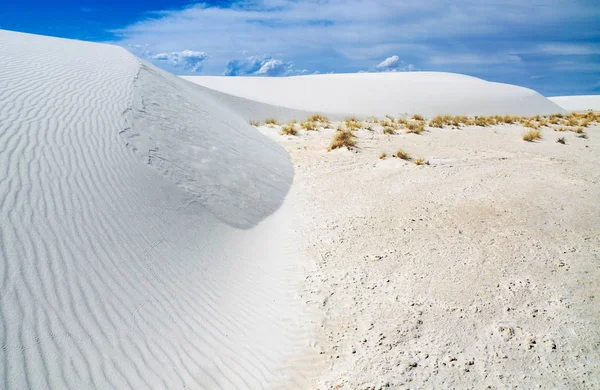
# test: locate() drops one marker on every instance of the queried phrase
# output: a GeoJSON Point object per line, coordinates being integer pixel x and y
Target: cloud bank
{"type": "Point", "coordinates": [186, 59]}
{"type": "Point", "coordinates": [493, 39]}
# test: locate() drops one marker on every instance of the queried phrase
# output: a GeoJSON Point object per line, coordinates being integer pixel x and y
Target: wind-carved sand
{"type": "Point", "coordinates": [125, 267]}
{"type": "Point", "coordinates": [151, 238]}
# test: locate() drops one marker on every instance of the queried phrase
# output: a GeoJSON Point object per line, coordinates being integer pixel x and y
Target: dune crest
{"type": "Point", "coordinates": [377, 94]}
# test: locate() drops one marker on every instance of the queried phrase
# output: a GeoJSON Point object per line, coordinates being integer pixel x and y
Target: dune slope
{"type": "Point", "coordinates": [578, 103]}
{"type": "Point", "coordinates": [426, 93]}
{"type": "Point", "coordinates": [122, 264]}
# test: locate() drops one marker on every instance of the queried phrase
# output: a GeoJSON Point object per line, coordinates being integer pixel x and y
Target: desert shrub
{"type": "Point", "coordinates": [271, 121]}
{"type": "Point", "coordinates": [582, 135]}
{"type": "Point", "coordinates": [531, 125]}
{"type": "Point", "coordinates": [383, 156]}
{"type": "Point", "coordinates": [415, 127]}
{"type": "Point", "coordinates": [561, 140]}
{"type": "Point", "coordinates": [389, 130]}
{"type": "Point", "coordinates": [572, 121]}
{"type": "Point", "coordinates": [343, 138]}
{"type": "Point", "coordinates": [437, 122]}
{"type": "Point", "coordinates": [254, 123]}
{"type": "Point", "coordinates": [585, 122]}
{"type": "Point", "coordinates": [578, 130]}
{"type": "Point", "coordinates": [308, 125]}
{"type": "Point", "coordinates": [318, 118]}
{"type": "Point", "coordinates": [480, 121]}
{"type": "Point", "coordinates": [352, 123]}
{"type": "Point", "coordinates": [532, 135]}
{"type": "Point", "coordinates": [417, 117]}
{"type": "Point", "coordinates": [421, 161]}
{"type": "Point", "coordinates": [289, 129]}
{"type": "Point", "coordinates": [402, 154]}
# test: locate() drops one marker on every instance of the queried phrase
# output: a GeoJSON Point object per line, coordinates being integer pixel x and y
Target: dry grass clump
{"type": "Point", "coordinates": [585, 122]}
{"type": "Point", "coordinates": [578, 130]}
{"type": "Point", "coordinates": [309, 125]}
{"type": "Point", "coordinates": [531, 125]}
{"type": "Point", "coordinates": [561, 140]}
{"type": "Point", "coordinates": [572, 121]}
{"type": "Point", "coordinates": [417, 117]}
{"type": "Point", "coordinates": [421, 161]}
{"type": "Point", "coordinates": [383, 156]}
{"type": "Point", "coordinates": [389, 130]}
{"type": "Point", "coordinates": [352, 123]}
{"type": "Point", "coordinates": [439, 121]}
{"type": "Point", "coordinates": [582, 135]}
{"type": "Point", "coordinates": [318, 118]}
{"type": "Point", "coordinates": [509, 120]}
{"type": "Point", "coordinates": [532, 135]}
{"type": "Point", "coordinates": [343, 138]}
{"type": "Point", "coordinates": [254, 123]}
{"type": "Point", "coordinates": [561, 129]}
{"type": "Point", "coordinates": [415, 127]}
{"type": "Point", "coordinates": [289, 129]}
{"type": "Point", "coordinates": [402, 154]}
{"type": "Point", "coordinates": [481, 121]}
{"type": "Point", "coordinates": [271, 121]}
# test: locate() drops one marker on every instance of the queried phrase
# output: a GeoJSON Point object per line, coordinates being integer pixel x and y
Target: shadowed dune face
{"type": "Point", "coordinates": [205, 147]}
{"type": "Point", "coordinates": [578, 103]}
{"type": "Point", "coordinates": [426, 93]}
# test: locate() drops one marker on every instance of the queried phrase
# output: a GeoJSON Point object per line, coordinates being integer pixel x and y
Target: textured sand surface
{"type": "Point", "coordinates": [480, 270]}
{"type": "Point", "coordinates": [122, 265]}
{"type": "Point", "coordinates": [578, 103]}
{"type": "Point", "coordinates": [425, 93]}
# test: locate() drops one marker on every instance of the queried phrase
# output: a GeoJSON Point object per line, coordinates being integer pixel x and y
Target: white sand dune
{"type": "Point", "coordinates": [578, 103]}
{"type": "Point", "coordinates": [122, 193]}
{"type": "Point", "coordinates": [426, 93]}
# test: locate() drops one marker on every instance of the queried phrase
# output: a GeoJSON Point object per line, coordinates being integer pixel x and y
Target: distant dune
{"type": "Point", "coordinates": [578, 103]}
{"type": "Point", "coordinates": [425, 93]}
{"type": "Point", "coordinates": [122, 191]}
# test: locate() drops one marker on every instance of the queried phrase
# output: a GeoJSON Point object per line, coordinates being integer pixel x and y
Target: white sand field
{"type": "Point", "coordinates": [578, 103]}
{"type": "Point", "coordinates": [150, 237]}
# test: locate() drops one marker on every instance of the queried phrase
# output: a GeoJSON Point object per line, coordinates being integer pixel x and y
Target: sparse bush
{"type": "Point", "coordinates": [532, 135]}
{"type": "Point", "coordinates": [389, 130]}
{"type": "Point", "coordinates": [509, 120]}
{"type": "Point", "coordinates": [383, 156]}
{"type": "Point", "coordinates": [585, 122]}
{"type": "Point", "coordinates": [352, 123]}
{"type": "Point", "coordinates": [582, 135]}
{"type": "Point", "coordinates": [271, 121]}
{"type": "Point", "coordinates": [578, 130]}
{"type": "Point", "coordinates": [437, 122]}
{"type": "Point", "coordinates": [343, 138]}
{"type": "Point", "coordinates": [318, 118]}
{"type": "Point", "coordinates": [421, 161]}
{"type": "Point", "coordinates": [572, 121]}
{"type": "Point", "coordinates": [415, 127]}
{"type": "Point", "coordinates": [289, 129]}
{"type": "Point", "coordinates": [402, 154]}
{"type": "Point", "coordinates": [561, 129]}
{"type": "Point", "coordinates": [480, 121]}
{"type": "Point", "coordinates": [417, 117]}
{"type": "Point", "coordinates": [254, 123]}
{"type": "Point", "coordinates": [308, 125]}
{"type": "Point", "coordinates": [561, 140]}
{"type": "Point", "coordinates": [531, 125]}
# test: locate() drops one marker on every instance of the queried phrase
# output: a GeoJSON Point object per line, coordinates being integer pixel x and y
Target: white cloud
{"type": "Point", "coordinates": [261, 66]}
{"type": "Point", "coordinates": [389, 63]}
{"type": "Point", "coordinates": [186, 59]}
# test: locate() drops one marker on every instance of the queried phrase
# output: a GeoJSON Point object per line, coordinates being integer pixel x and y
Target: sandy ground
{"type": "Point", "coordinates": [481, 270]}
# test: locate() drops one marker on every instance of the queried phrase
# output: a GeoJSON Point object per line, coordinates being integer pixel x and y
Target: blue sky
{"type": "Point", "coordinates": [552, 46]}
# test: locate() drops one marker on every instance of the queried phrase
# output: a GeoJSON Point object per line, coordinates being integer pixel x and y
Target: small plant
{"type": "Point", "coordinates": [582, 135]}
{"type": "Point", "coordinates": [254, 123]}
{"type": "Point", "coordinates": [318, 118]}
{"type": "Point", "coordinates": [402, 154]}
{"type": "Point", "coordinates": [289, 129]}
{"type": "Point", "coordinates": [585, 122]}
{"type": "Point", "coordinates": [383, 156]}
{"type": "Point", "coordinates": [271, 121]}
{"type": "Point", "coordinates": [343, 138]}
{"type": "Point", "coordinates": [421, 161]}
{"type": "Point", "coordinates": [531, 125]}
{"type": "Point", "coordinates": [577, 130]}
{"type": "Point", "coordinates": [438, 122]}
{"type": "Point", "coordinates": [480, 121]}
{"type": "Point", "coordinates": [532, 135]}
{"type": "Point", "coordinates": [561, 129]}
{"type": "Point", "coordinates": [352, 123]}
{"type": "Point", "coordinates": [572, 121]}
{"type": "Point", "coordinates": [308, 125]}
{"type": "Point", "coordinates": [417, 117]}
{"type": "Point", "coordinates": [389, 130]}
{"type": "Point", "coordinates": [391, 118]}
{"type": "Point", "coordinates": [561, 140]}
{"type": "Point", "coordinates": [415, 127]}
{"type": "Point", "coordinates": [509, 120]}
